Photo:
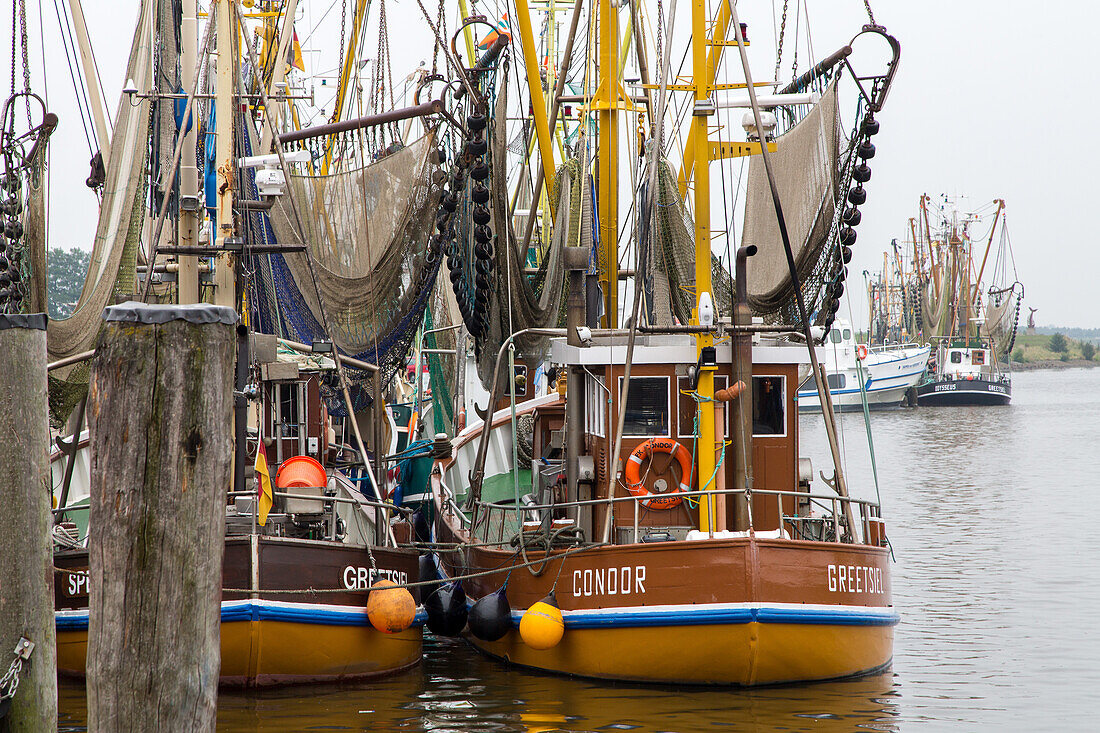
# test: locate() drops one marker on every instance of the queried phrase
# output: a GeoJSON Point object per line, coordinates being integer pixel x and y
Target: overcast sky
{"type": "Point", "coordinates": [991, 100]}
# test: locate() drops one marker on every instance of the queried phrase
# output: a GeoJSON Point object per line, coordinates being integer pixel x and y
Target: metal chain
{"type": "Point", "coordinates": [782, 32]}
{"type": "Point", "coordinates": [343, 30]}
{"type": "Point", "coordinates": [660, 61]}
{"type": "Point", "coordinates": [435, 47]}
{"type": "Point", "coordinates": [9, 683]}
{"type": "Point", "coordinates": [870, 15]}
{"type": "Point", "coordinates": [26, 63]}
{"type": "Point", "coordinates": [14, 44]}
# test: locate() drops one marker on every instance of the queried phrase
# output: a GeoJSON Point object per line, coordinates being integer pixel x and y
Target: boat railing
{"type": "Point", "coordinates": [532, 516]}
{"type": "Point", "coordinates": [450, 502]}
{"type": "Point", "coordinates": [895, 347]}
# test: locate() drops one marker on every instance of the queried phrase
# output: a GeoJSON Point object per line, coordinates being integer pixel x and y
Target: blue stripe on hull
{"type": "Point", "coordinates": [734, 615]}
{"type": "Point", "coordinates": [252, 611]}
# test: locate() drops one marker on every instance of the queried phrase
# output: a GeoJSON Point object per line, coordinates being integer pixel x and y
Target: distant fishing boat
{"type": "Point", "coordinates": [880, 376]}
{"type": "Point", "coordinates": [972, 336]}
{"type": "Point", "coordinates": [966, 372]}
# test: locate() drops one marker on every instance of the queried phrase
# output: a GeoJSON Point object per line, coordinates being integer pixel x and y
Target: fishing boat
{"type": "Point", "coordinates": [296, 579]}
{"type": "Point", "coordinates": [966, 372]}
{"type": "Point", "coordinates": [644, 512]}
{"type": "Point", "coordinates": [855, 373]}
{"type": "Point", "coordinates": [268, 221]}
{"type": "Point", "coordinates": [971, 335]}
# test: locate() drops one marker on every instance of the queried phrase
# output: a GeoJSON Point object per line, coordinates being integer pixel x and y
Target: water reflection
{"type": "Point", "coordinates": [458, 690]}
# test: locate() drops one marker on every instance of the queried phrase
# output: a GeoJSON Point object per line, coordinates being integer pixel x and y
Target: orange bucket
{"type": "Point", "coordinates": [300, 471]}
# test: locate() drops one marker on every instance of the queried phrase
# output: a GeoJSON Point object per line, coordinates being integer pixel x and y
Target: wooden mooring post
{"type": "Point", "coordinates": [26, 553]}
{"type": "Point", "coordinates": [160, 412]}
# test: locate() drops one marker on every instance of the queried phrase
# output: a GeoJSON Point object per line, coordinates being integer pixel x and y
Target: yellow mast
{"type": "Point", "coordinates": [714, 59]}
{"type": "Point", "coordinates": [345, 75]}
{"type": "Point", "coordinates": [701, 152]}
{"type": "Point", "coordinates": [538, 101]}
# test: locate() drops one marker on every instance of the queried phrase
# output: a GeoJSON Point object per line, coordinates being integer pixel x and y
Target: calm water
{"type": "Point", "coordinates": [992, 513]}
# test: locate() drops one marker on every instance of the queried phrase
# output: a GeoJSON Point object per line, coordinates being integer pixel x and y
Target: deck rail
{"type": "Point", "coordinates": [533, 516]}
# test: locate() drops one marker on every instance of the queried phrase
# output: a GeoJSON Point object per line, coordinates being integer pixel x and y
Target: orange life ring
{"type": "Point", "coordinates": [634, 472]}
{"type": "Point", "coordinates": [862, 351]}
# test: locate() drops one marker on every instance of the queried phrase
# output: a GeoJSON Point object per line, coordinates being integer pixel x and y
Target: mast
{"type": "Point", "coordinates": [989, 243]}
{"type": "Point", "coordinates": [606, 101]}
{"type": "Point", "coordinates": [224, 278]}
{"type": "Point", "coordinates": [187, 279]}
{"type": "Point", "coordinates": [361, 7]}
{"type": "Point", "coordinates": [91, 78]}
{"type": "Point", "coordinates": [538, 102]}
{"type": "Point", "coordinates": [703, 341]}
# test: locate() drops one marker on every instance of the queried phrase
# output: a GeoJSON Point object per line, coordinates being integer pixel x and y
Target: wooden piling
{"type": "Point", "coordinates": [160, 412]}
{"type": "Point", "coordinates": [26, 572]}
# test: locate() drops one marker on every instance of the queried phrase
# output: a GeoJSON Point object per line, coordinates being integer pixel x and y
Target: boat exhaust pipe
{"type": "Point", "coordinates": [742, 406]}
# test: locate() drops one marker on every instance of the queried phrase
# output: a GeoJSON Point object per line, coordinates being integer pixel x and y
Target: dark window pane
{"type": "Point", "coordinates": [647, 406]}
{"type": "Point", "coordinates": [768, 406]}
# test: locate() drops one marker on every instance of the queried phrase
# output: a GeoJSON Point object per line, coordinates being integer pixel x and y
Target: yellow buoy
{"type": "Point", "coordinates": [542, 626]}
{"type": "Point", "coordinates": [389, 608]}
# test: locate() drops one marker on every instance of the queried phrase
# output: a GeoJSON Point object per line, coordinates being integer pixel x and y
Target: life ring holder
{"type": "Point", "coordinates": [862, 351]}
{"type": "Point", "coordinates": [633, 472]}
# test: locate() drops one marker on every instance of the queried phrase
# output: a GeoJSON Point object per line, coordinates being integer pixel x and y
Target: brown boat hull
{"type": "Point", "coordinates": [737, 611]}
{"type": "Point", "coordinates": [277, 638]}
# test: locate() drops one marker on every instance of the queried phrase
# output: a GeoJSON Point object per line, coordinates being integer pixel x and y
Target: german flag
{"type": "Point", "coordinates": [265, 495]}
{"type": "Point", "coordinates": [294, 55]}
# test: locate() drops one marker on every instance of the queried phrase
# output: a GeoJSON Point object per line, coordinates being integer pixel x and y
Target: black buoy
{"type": "Point", "coordinates": [862, 173]}
{"type": "Point", "coordinates": [866, 150]}
{"type": "Point", "coordinates": [857, 196]}
{"type": "Point", "coordinates": [422, 530]}
{"type": "Point", "coordinates": [446, 609]}
{"type": "Point", "coordinates": [491, 616]}
{"type": "Point", "coordinates": [847, 236]}
{"type": "Point", "coordinates": [476, 122]}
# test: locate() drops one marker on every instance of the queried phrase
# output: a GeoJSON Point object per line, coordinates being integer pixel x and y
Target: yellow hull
{"type": "Point", "coordinates": [746, 654]}
{"type": "Point", "coordinates": [259, 653]}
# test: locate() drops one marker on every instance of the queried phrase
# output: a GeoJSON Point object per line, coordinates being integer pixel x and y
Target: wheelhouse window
{"type": "Point", "coordinates": [835, 337]}
{"type": "Point", "coordinates": [288, 417]}
{"type": "Point", "coordinates": [836, 381]}
{"type": "Point", "coordinates": [977, 358]}
{"type": "Point", "coordinates": [956, 357]}
{"type": "Point", "coordinates": [769, 412]}
{"type": "Point", "coordinates": [847, 334]}
{"type": "Point", "coordinates": [647, 407]}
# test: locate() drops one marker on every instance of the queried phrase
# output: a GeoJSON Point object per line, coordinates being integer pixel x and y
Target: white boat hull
{"type": "Point", "coordinates": [887, 375]}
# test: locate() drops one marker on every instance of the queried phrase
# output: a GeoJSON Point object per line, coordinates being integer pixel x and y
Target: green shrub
{"type": "Point", "coordinates": [1064, 356]}
{"type": "Point", "coordinates": [1059, 344]}
{"type": "Point", "coordinates": [1018, 355]}
{"type": "Point", "coordinates": [1088, 351]}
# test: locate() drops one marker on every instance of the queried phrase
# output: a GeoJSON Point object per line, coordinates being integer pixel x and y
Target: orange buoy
{"type": "Point", "coordinates": [300, 471]}
{"type": "Point", "coordinates": [541, 627]}
{"type": "Point", "coordinates": [390, 608]}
